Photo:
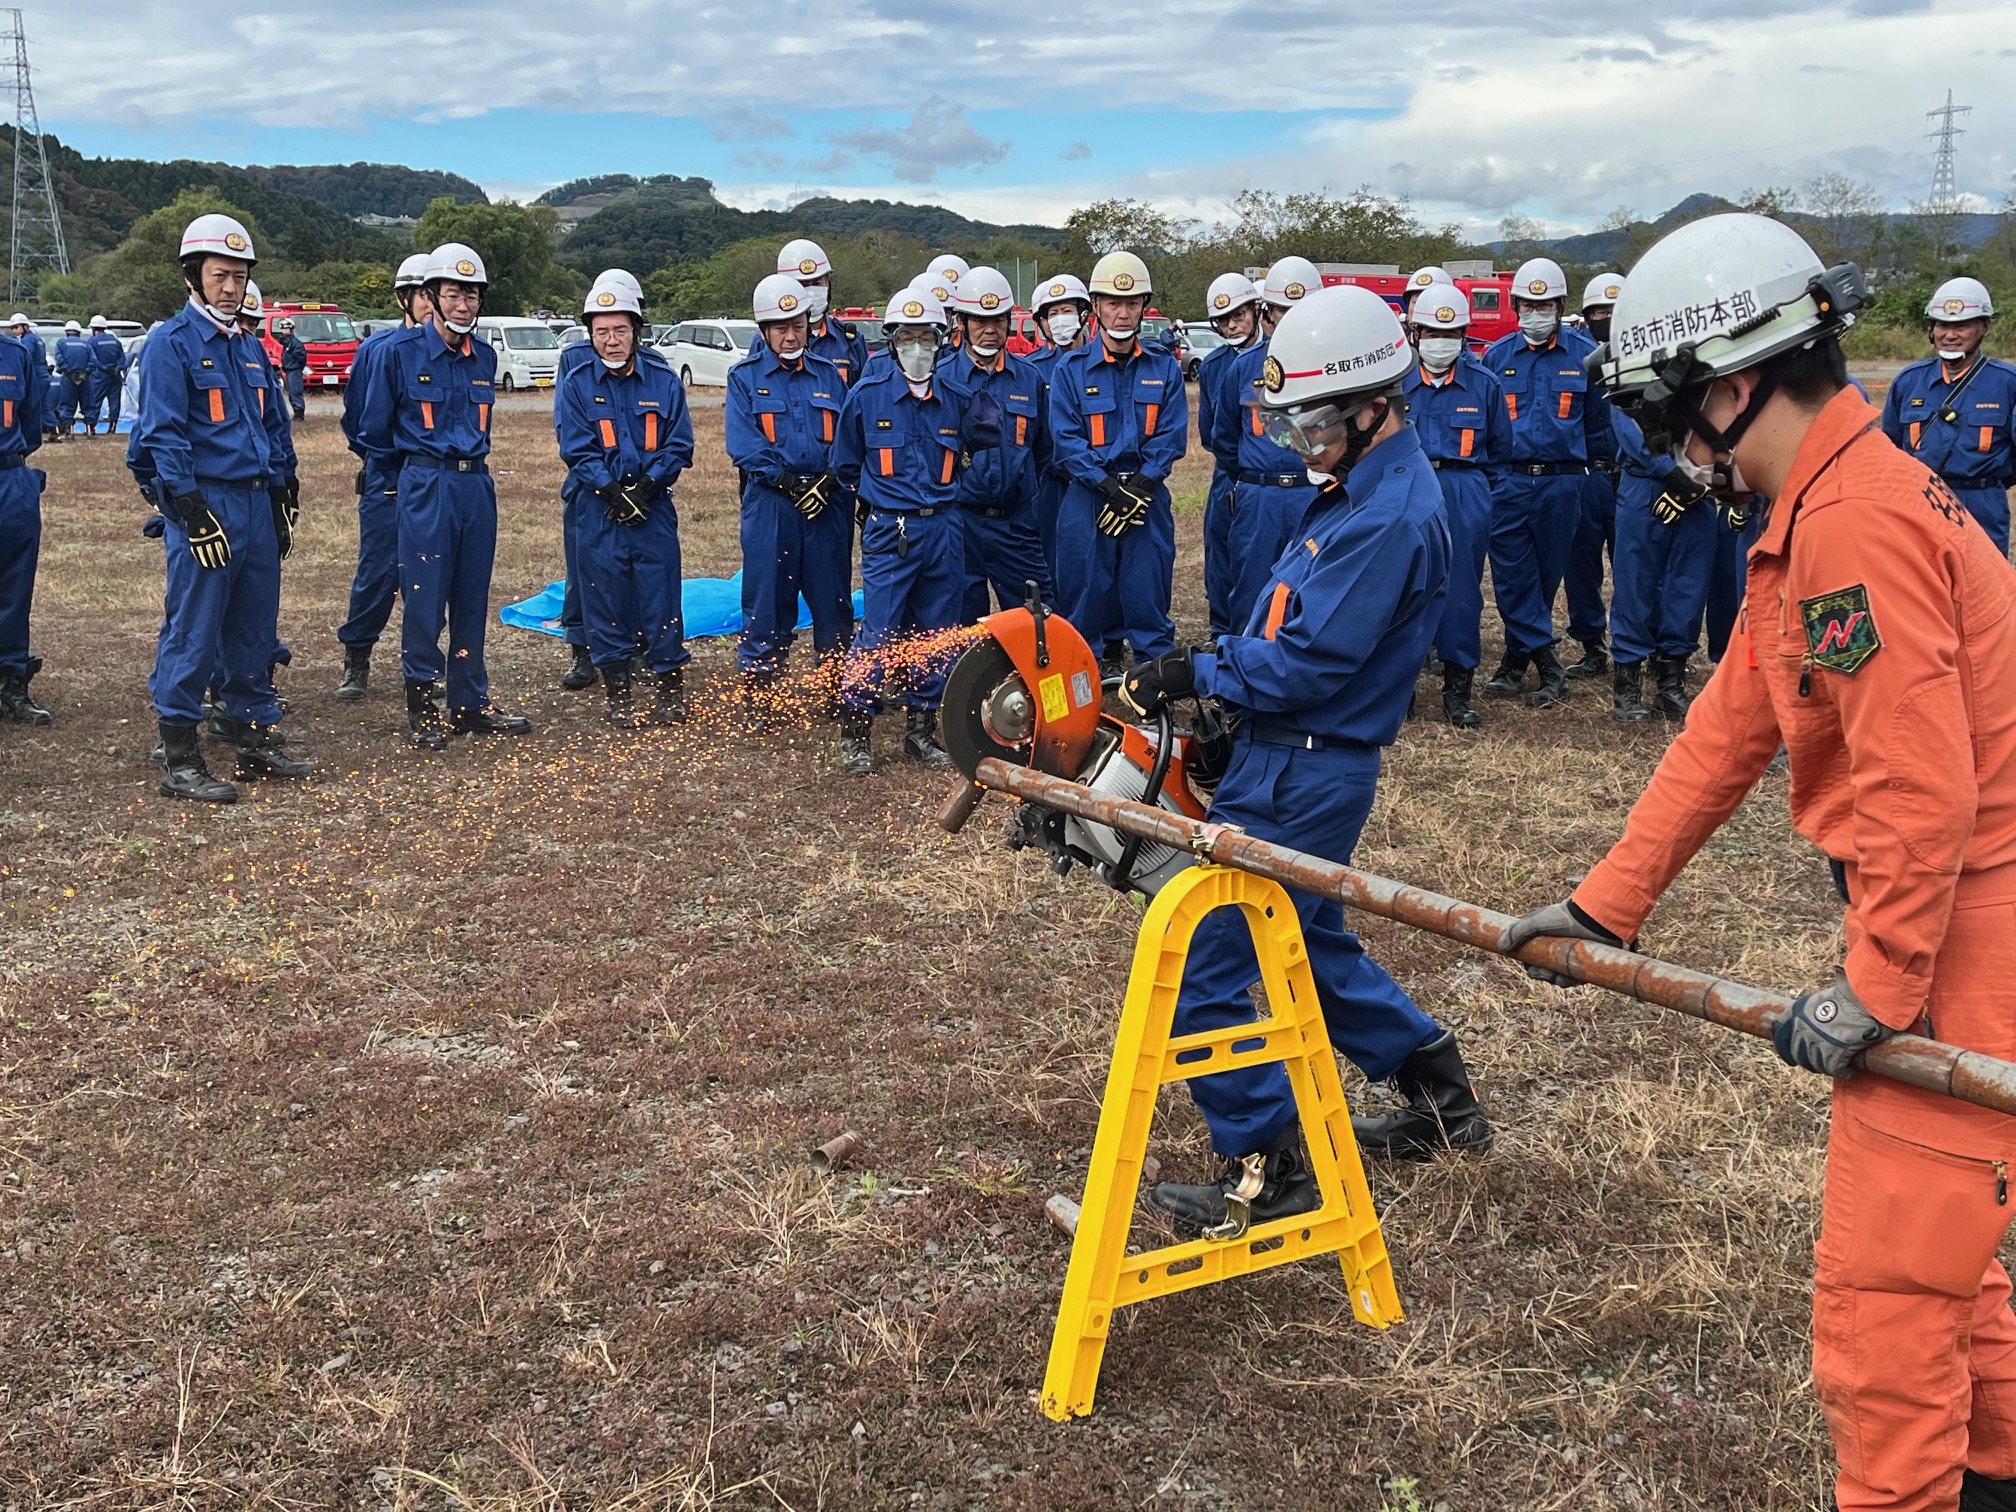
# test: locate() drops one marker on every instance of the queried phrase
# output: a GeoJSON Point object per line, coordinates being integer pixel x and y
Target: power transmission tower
{"type": "Point", "coordinates": [1945, 196]}
{"type": "Point", "coordinates": [38, 229]}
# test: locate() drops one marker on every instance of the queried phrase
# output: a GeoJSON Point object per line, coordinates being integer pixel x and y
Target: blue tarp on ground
{"type": "Point", "coordinates": [713, 606]}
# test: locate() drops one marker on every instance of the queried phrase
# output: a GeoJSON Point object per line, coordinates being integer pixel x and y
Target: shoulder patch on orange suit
{"type": "Point", "coordinates": [1841, 632]}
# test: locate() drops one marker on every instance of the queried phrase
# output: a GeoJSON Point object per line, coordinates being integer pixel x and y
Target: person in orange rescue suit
{"type": "Point", "coordinates": [1877, 642]}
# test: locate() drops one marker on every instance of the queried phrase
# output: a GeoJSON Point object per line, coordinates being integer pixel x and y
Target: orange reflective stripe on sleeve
{"type": "Point", "coordinates": [1097, 425]}
{"type": "Point", "coordinates": [950, 459]}
{"type": "Point", "coordinates": [826, 425]}
{"type": "Point", "coordinates": [1567, 404]}
{"type": "Point", "coordinates": [651, 430]}
{"type": "Point", "coordinates": [608, 428]}
{"type": "Point", "coordinates": [426, 414]}
{"type": "Point", "coordinates": [1021, 430]}
{"type": "Point", "coordinates": [1469, 443]}
{"type": "Point", "coordinates": [1148, 418]}
{"type": "Point", "coordinates": [769, 427]}
{"type": "Point", "coordinates": [216, 405]}
{"type": "Point", "coordinates": [1917, 429]}
{"type": "Point", "coordinates": [483, 418]}
{"type": "Point", "coordinates": [1512, 406]}
{"type": "Point", "coordinates": [1277, 611]}
{"type": "Point", "coordinates": [887, 455]}
{"type": "Point", "coordinates": [7, 413]}
{"type": "Point", "coordinates": [1987, 438]}
{"type": "Point", "coordinates": [1253, 416]}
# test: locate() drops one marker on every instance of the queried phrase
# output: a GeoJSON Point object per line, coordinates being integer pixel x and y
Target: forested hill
{"type": "Point", "coordinates": [370, 188]}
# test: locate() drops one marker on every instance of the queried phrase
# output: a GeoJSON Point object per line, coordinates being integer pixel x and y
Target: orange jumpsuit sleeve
{"type": "Point", "coordinates": [1910, 744]}
{"type": "Point", "coordinates": [1730, 738]}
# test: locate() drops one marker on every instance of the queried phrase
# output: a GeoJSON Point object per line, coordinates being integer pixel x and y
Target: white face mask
{"type": "Point", "coordinates": [1320, 479]}
{"type": "Point", "coordinates": [1950, 354]}
{"type": "Point", "coordinates": [789, 352]}
{"type": "Point", "coordinates": [1439, 353]}
{"type": "Point", "coordinates": [1539, 326]}
{"type": "Point", "coordinates": [916, 361]}
{"type": "Point", "coordinates": [1064, 327]}
{"type": "Point", "coordinates": [615, 367]}
{"type": "Point", "coordinates": [1703, 475]}
{"type": "Point", "coordinates": [1118, 340]}
{"type": "Point", "coordinates": [815, 303]}
{"type": "Point", "coordinates": [985, 345]}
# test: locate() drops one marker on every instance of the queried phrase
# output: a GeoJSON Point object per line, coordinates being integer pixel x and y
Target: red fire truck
{"type": "Point", "coordinates": [1491, 313]}
{"type": "Point", "coordinates": [324, 330]}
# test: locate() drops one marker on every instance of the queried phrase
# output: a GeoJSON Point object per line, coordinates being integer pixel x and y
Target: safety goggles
{"type": "Point", "coordinates": [1308, 430]}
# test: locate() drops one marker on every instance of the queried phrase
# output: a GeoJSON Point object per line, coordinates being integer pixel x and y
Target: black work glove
{"type": "Point", "coordinates": [1123, 503]}
{"type": "Point", "coordinates": [1734, 516]}
{"type": "Point", "coordinates": [861, 511]}
{"type": "Point", "coordinates": [285, 513]}
{"type": "Point", "coordinates": [360, 483]}
{"type": "Point", "coordinates": [982, 431]}
{"type": "Point", "coordinates": [1680, 495]}
{"type": "Point", "coordinates": [1152, 686]}
{"type": "Point", "coordinates": [1563, 919]}
{"type": "Point", "coordinates": [1826, 1030]}
{"type": "Point", "coordinates": [207, 541]}
{"type": "Point", "coordinates": [814, 492]}
{"type": "Point", "coordinates": [630, 498]}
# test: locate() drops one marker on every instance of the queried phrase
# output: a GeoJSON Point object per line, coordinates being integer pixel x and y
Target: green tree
{"type": "Point", "coordinates": [141, 278]}
{"type": "Point", "coordinates": [516, 243]}
{"type": "Point", "coordinates": [1090, 233]}
{"type": "Point", "coordinates": [63, 296]}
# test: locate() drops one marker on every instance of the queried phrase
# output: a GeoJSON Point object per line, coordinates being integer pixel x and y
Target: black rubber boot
{"type": "Point", "coordinates": [356, 673]}
{"type": "Point", "coordinates": [183, 772]}
{"type": "Point", "coordinates": [762, 700]}
{"type": "Point", "coordinates": [1595, 661]}
{"type": "Point", "coordinates": [1627, 693]}
{"type": "Point", "coordinates": [1670, 701]}
{"type": "Point", "coordinates": [262, 753]}
{"type": "Point", "coordinates": [218, 726]}
{"type": "Point", "coordinates": [920, 741]}
{"type": "Point", "coordinates": [1442, 1112]}
{"type": "Point", "coordinates": [1510, 676]}
{"type": "Point", "coordinates": [1979, 1493]}
{"type": "Point", "coordinates": [1273, 1182]}
{"type": "Point", "coordinates": [1113, 662]}
{"type": "Point", "coordinates": [17, 704]}
{"type": "Point", "coordinates": [1456, 684]}
{"type": "Point", "coordinates": [581, 674]}
{"type": "Point", "coordinates": [1553, 680]}
{"type": "Point", "coordinates": [857, 757]}
{"type": "Point", "coordinates": [426, 729]}
{"type": "Point", "coordinates": [622, 710]}
{"type": "Point", "coordinates": [671, 706]}
{"type": "Point", "coordinates": [487, 721]}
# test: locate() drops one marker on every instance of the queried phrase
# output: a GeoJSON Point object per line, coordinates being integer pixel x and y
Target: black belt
{"type": "Point", "coordinates": [448, 464]}
{"type": "Point", "coordinates": [1452, 464]}
{"type": "Point", "coordinates": [258, 482]}
{"type": "Point", "coordinates": [994, 514]}
{"type": "Point", "coordinates": [891, 509]}
{"type": "Point", "coordinates": [1549, 469]}
{"type": "Point", "coordinates": [8, 464]}
{"type": "Point", "coordinates": [1971, 483]}
{"type": "Point", "coordinates": [1283, 735]}
{"type": "Point", "coordinates": [1276, 480]}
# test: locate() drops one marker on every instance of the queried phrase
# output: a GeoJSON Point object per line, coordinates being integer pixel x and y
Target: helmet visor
{"type": "Point", "coordinates": [1308, 430]}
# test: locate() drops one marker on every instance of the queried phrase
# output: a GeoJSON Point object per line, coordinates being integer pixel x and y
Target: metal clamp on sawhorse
{"type": "Point", "coordinates": [1103, 1277]}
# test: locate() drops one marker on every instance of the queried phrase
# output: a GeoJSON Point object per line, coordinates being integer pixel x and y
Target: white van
{"type": "Point", "coordinates": [528, 353]}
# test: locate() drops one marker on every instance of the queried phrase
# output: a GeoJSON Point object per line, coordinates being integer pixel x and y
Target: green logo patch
{"type": "Point", "coordinates": [1841, 632]}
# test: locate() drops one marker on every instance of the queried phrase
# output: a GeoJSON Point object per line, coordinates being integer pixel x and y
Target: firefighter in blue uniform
{"type": "Point", "coordinates": [212, 453]}
{"type": "Point", "coordinates": [827, 336]}
{"type": "Point", "coordinates": [23, 383]}
{"type": "Point", "coordinates": [902, 437]}
{"type": "Point", "coordinates": [1459, 414]}
{"type": "Point", "coordinates": [375, 588]}
{"type": "Point", "coordinates": [1560, 430]}
{"type": "Point", "coordinates": [1271, 488]}
{"type": "Point", "coordinates": [24, 332]}
{"type": "Point", "coordinates": [1233, 304]}
{"type": "Point", "coordinates": [293, 366]}
{"type": "Point", "coordinates": [432, 394]}
{"type": "Point", "coordinates": [1595, 535]}
{"type": "Point", "coordinates": [1062, 309]}
{"type": "Point", "coordinates": [781, 416]}
{"type": "Point", "coordinates": [1120, 422]}
{"type": "Point", "coordinates": [73, 375]}
{"type": "Point", "coordinates": [1320, 679]}
{"type": "Point", "coordinates": [625, 435]}
{"type": "Point", "coordinates": [1952, 411]}
{"type": "Point", "coordinates": [998, 489]}
{"type": "Point", "coordinates": [1667, 527]}
{"type": "Point", "coordinates": [107, 379]}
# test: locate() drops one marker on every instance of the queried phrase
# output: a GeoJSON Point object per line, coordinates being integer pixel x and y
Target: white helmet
{"type": "Point", "coordinates": [98, 322]}
{"type": "Point", "coordinates": [1229, 292]}
{"type": "Point", "coordinates": [986, 292]}
{"type": "Point", "coordinates": [613, 293]}
{"type": "Point", "coordinates": [452, 262]}
{"type": "Point", "coordinates": [412, 272]}
{"type": "Point", "coordinates": [1058, 290]}
{"type": "Point", "coordinates": [803, 259]}
{"type": "Point", "coordinates": [915, 306]}
{"type": "Point", "coordinates": [617, 278]}
{"type": "Point", "coordinates": [1960, 299]}
{"type": "Point", "coordinates": [1334, 343]}
{"type": "Point", "coordinates": [1121, 272]}
{"type": "Point", "coordinates": [779, 296]}
{"type": "Point", "coordinates": [221, 235]}
{"type": "Point", "coordinates": [1440, 307]}
{"type": "Point", "coordinates": [251, 307]}
{"type": "Point", "coordinates": [1540, 278]}
{"type": "Point", "coordinates": [1420, 278]}
{"type": "Point", "coordinates": [71, 328]}
{"type": "Point", "coordinates": [17, 318]}
{"type": "Point", "coordinates": [946, 267]}
{"type": "Point", "coordinates": [1603, 289]}
{"type": "Point", "coordinates": [1289, 280]}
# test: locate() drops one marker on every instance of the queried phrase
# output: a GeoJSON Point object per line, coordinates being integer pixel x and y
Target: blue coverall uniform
{"type": "Point", "coordinates": [612, 426]}
{"type": "Point", "coordinates": [294, 368]}
{"type": "Point", "coordinates": [1270, 488]}
{"type": "Point", "coordinates": [833, 341]}
{"type": "Point", "coordinates": [782, 417]}
{"type": "Point", "coordinates": [107, 381]}
{"type": "Point", "coordinates": [73, 380]}
{"type": "Point", "coordinates": [1660, 573]}
{"type": "Point", "coordinates": [1973, 450]}
{"type": "Point", "coordinates": [1461, 420]}
{"type": "Point", "coordinates": [901, 455]}
{"type": "Point", "coordinates": [376, 587]}
{"type": "Point", "coordinates": [40, 352]}
{"type": "Point", "coordinates": [998, 489]}
{"type": "Point", "coordinates": [1050, 479]}
{"type": "Point", "coordinates": [210, 421]}
{"type": "Point", "coordinates": [1113, 414]}
{"type": "Point", "coordinates": [573, 626]}
{"type": "Point", "coordinates": [24, 381]}
{"type": "Point", "coordinates": [1321, 677]}
{"type": "Point", "coordinates": [1729, 575]}
{"type": "Point", "coordinates": [1220, 418]}
{"type": "Point", "coordinates": [1560, 428]}
{"type": "Point", "coordinates": [430, 401]}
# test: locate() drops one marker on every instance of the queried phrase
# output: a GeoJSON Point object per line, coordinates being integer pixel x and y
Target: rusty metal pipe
{"type": "Point", "coordinates": [1963, 1074]}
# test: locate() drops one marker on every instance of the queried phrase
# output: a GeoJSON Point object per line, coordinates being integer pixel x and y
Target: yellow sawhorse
{"type": "Point", "coordinates": [1103, 1277]}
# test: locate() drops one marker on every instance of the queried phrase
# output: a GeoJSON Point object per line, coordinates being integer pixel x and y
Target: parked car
{"type": "Point", "coordinates": [662, 331]}
{"type": "Point", "coordinates": [702, 351]}
{"type": "Point", "coordinates": [324, 330]}
{"type": "Point", "coordinates": [366, 328]}
{"type": "Point", "coordinates": [528, 352]}
{"type": "Point", "coordinates": [572, 334]}
{"type": "Point", "coordinates": [1195, 340]}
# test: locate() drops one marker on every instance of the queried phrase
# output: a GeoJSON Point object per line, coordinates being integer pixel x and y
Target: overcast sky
{"type": "Point", "coordinates": [1474, 109]}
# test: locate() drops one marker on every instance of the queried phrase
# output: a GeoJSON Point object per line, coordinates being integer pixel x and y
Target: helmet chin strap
{"type": "Point", "coordinates": [1358, 440]}
{"type": "Point", "coordinates": [1722, 442]}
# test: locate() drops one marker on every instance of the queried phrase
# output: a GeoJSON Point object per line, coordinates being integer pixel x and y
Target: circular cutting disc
{"type": "Point", "coordinates": [974, 682]}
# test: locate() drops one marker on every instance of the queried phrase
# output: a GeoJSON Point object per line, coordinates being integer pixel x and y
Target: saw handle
{"type": "Point", "coordinates": [959, 806]}
{"type": "Point", "coordinates": [1122, 875]}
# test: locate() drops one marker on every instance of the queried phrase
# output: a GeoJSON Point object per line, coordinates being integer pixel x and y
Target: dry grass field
{"type": "Point", "coordinates": [433, 1133]}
